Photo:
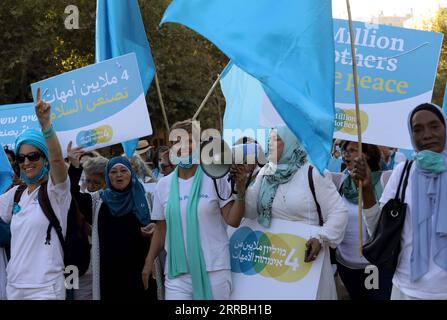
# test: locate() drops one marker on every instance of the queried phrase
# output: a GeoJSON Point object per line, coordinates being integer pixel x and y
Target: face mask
{"type": "Point", "coordinates": [188, 161]}
{"type": "Point", "coordinates": [43, 172]}
{"type": "Point", "coordinates": [430, 161]}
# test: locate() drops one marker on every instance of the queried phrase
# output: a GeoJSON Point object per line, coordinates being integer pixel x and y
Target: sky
{"type": "Point", "coordinates": [364, 10]}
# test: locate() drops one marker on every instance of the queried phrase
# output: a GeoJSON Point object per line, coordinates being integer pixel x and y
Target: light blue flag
{"type": "Point", "coordinates": [288, 46]}
{"type": "Point", "coordinates": [244, 97]}
{"type": "Point", "coordinates": [120, 30]}
{"type": "Point", "coordinates": [6, 172]}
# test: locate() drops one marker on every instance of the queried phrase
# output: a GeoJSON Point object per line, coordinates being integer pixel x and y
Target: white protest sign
{"type": "Point", "coordinates": [98, 105]}
{"type": "Point", "coordinates": [269, 263]}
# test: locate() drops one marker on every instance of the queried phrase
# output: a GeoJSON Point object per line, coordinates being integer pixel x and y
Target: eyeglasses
{"type": "Point", "coordinates": [344, 153]}
{"type": "Point", "coordinates": [32, 156]}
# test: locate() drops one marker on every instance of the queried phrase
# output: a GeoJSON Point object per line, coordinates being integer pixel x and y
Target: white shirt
{"type": "Point", "coordinates": [398, 158]}
{"type": "Point", "coordinates": [348, 250]}
{"type": "Point", "coordinates": [433, 285]}
{"type": "Point", "coordinates": [212, 227]}
{"type": "Point", "coordinates": [294, 201]}
{"type": "Point", "coordinates": [34, 264]}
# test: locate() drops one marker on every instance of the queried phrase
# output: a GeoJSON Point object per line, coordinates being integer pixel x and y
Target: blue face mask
{"type": "Point", "coordinates": [188, 161]}
{"type": "Point", "coordinates": [430, 161]}
{"type": "Point", "coordinates": [43, 172]}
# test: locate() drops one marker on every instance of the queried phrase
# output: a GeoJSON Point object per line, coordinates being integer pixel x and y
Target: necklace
{"type": "Point", "coordinates": [282, 194]}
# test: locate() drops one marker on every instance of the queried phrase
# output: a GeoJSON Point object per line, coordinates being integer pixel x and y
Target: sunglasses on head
{"type": "Point", "coordinates": [32, 156]}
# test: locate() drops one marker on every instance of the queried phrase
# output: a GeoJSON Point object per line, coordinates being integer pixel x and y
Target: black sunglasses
{"type": "Point", "coordinates": [32, 156]}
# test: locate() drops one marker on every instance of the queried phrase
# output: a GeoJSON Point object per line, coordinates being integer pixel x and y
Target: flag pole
{"type": "Point", "coordinates": [359, 129]}
{"type": "Point", "coordinates": [160, 98]}
{"type": "Point", "coordinates": [208, 95]}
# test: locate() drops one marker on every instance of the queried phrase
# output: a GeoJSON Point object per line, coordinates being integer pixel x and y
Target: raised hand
{"type": "Point", "coordinates": [240, 172]}
{"type": "Point", "coordinates": [74, 155]}
{"type": "Point", "coordinates": [43, 112]}
{"type": "Point", "coordinates": [361, 171]}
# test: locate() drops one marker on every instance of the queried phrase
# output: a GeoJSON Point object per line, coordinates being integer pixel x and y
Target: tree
{"type": "Point", "coordinates": [36, 45]}
{"type": "Point", "coordinates": [187, 65]}
{"type": "Point", "coordinates": [439, 24]}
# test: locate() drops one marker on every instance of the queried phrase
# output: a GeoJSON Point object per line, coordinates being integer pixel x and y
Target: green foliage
{"type": "Point", "coordinates": [187, 66]}
{"type": "Point", "coordinates": [439, 24]}
{"type": "Point", "coordinates": [36, 45]}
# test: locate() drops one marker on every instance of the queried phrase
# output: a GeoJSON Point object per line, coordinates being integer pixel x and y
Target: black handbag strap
{"type": "Point", "coordinates": [401, 179]}
{"type": "Point", "coordinates": [407, 175]}
{"type": "Point", "coordinates": [312, 189]}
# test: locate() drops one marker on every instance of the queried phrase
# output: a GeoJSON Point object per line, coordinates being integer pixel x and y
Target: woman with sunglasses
{"type": "Point", "coordinates": [36, 268]}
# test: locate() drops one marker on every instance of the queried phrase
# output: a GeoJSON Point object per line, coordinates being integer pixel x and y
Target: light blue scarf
{"type": "Point", "coordinates": [35, 138]}
{"type": "Point", "coordinates": [131, 200]}
{"type": "Point", "coordinates": [292, 158]}
{"type": "Point", "coordinates": [429, 200]}
{"type": "Point", "coordinates": [177, 262]}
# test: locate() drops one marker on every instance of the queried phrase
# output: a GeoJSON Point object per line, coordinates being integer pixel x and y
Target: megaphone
{"type": "Point", "coordinates": [217, 157]}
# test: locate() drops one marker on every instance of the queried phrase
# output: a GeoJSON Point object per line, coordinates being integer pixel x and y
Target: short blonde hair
{"type": "Point", "coordinates": [189, 125]}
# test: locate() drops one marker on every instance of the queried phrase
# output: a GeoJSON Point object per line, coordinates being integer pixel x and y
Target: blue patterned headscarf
{"type": "Point", "coordinates": [292, 158]}
{"type": "Point", "coordinates": [130, 200]}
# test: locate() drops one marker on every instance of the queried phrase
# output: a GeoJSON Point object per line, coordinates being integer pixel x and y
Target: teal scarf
{"type": "Point", "coordinates": [292, 158]}
{"type": "Point", "coordinates": [351, 191]}
{"type": "Point", "coordinates": [177, 263]}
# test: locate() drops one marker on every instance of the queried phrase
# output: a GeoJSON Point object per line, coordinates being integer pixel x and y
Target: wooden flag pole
{"type": "Point", "coordinates": [160, 98]}
{"type": "Point", "coordinates": [208, 95]}
{"type": "Point", "coordinates": [359, 129]}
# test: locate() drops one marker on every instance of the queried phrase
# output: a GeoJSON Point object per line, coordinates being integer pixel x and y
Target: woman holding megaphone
{"type": "Point", "coordinates": [283, 190]}
{"type": "Point", "coordinates": [191, 225]}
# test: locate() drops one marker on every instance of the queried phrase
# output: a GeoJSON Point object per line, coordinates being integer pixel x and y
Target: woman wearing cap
{"type": "Point", "coordinates": [281, 190]}
{"type": "Point", "coordinates": [421, 271]}
{"type": "Point", "coordinates": [36, 268]}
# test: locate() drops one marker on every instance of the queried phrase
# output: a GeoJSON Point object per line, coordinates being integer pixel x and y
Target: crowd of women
{"type": "Point", "coordinates": [172, 242]}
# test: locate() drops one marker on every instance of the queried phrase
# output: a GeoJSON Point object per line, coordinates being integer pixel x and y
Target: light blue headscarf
{"type": "Point", "coordinates": [35, 138]}
{"type": "Point", "coordinates": [6, 173]}
{"type": "Point", "coordinates": [292, 158]}
{"type": "Point", "coordinates": [429, 200]}
{"type": "Point", "coordinates": [131, 200]}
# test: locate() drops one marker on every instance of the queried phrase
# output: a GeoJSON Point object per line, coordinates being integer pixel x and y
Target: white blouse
{"type": "Point", "coordinates": [294, 201]}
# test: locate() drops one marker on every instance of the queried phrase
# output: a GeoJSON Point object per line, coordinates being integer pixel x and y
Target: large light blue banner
{"type": "Point", "coordinates": [396, 69]}
{"type": "Point", "coordinates": [14, 119]}
{"type": "Point", "coordinates": [99, 105]}
{"type": "Point", "coordinates": [396, 72]}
